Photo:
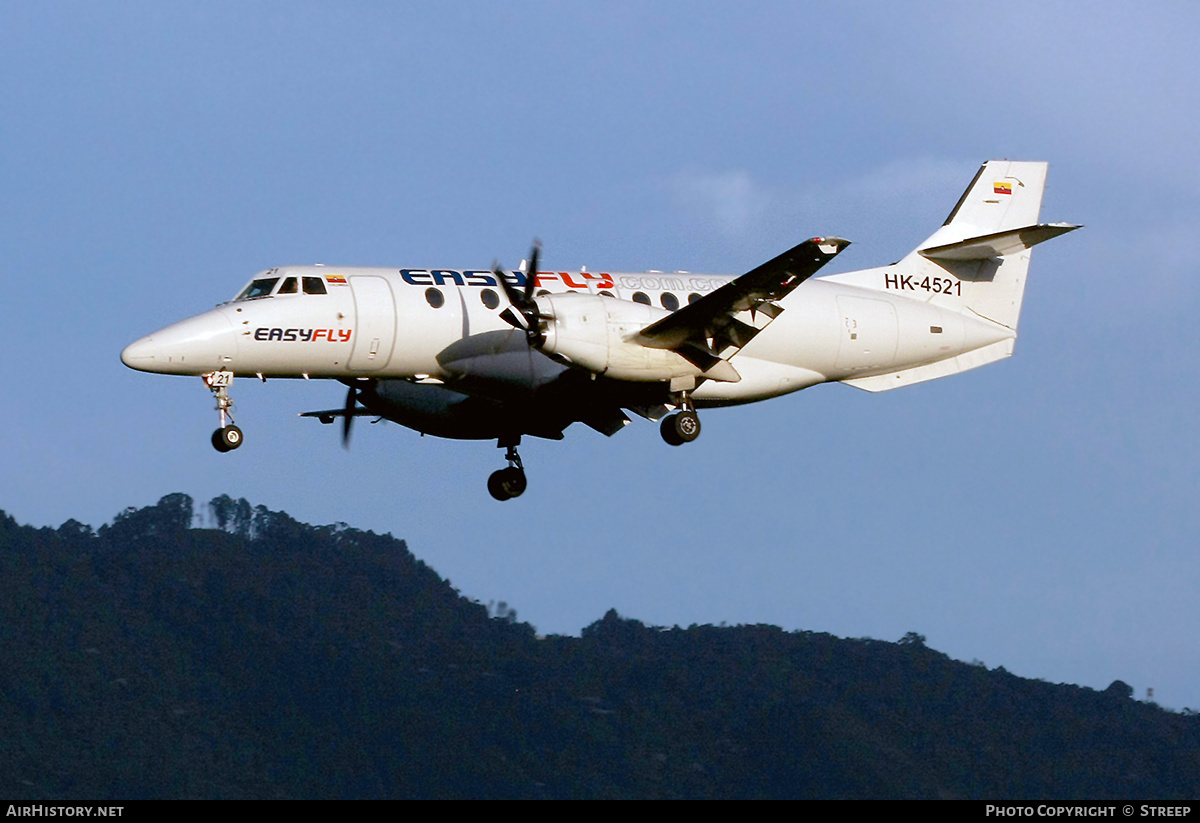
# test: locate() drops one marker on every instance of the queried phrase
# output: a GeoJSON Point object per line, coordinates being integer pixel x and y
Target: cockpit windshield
{"type": "Point", "coordinates": [258, 288]}
{"type": "Point", "coordinates": [291, 284]}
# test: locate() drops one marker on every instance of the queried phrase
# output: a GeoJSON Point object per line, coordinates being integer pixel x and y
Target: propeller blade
{"type": "Point", "coordinates": [515, 298]}
{"type": "Point", "coordinates": [348, 418]}
{"type": "Point", "coordinates": [526, 315]}
{"type": "Point", "coordinates": [531, 271]}
{"type": "Point", "coordinates": [510, 317]}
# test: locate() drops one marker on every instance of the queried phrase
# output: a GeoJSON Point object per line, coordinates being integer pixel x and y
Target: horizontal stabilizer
{"type": "Point", "coordinates": [1002, 243]}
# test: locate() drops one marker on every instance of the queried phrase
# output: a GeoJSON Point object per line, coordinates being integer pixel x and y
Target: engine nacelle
{"type": "Point", "coordinates": [591, 330]}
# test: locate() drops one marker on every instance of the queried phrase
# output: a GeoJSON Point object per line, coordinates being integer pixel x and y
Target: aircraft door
{"type": "Point", "coordinates": [375, 311]}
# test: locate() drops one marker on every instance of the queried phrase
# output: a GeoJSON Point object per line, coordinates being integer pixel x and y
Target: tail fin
{"type": "Point", "coordinates": [984, 246]}
{"type": "Point", "coordinates": [985, 241]}
{"type": "Point", "coordinates": [1003, 195]}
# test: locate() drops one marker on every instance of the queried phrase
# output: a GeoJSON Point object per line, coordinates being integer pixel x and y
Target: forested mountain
{"type": "Point", "coordinates": [262, 657]}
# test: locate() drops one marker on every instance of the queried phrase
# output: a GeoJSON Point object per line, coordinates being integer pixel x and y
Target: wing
{"type": "Point", "coordinates": [719, 324]}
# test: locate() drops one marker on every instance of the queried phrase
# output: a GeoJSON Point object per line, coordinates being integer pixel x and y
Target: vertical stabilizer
{"type": "Point", "coordinates": [1002, 203]}
{"type": "Point", "coordinates": [1005, 194]}
{"type": "Point", "coordinates": [975, 264]}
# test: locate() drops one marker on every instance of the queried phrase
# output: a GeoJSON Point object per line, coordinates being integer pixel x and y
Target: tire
{"type": "Point", "coordinates": [230, 436]}
{"type": "Point", "coordinates": [514, 481]}
{"type": "Point", "coordinates": [506, 484]}
{"type": "Point", "coordinates": [218, 441]}
{"type": "Point", "coordinates": [679, 428]}
{"type": "Point", "coordinates": [687, 424]}
{"type": "Point", "coordinates": [667, 429]}
{"type": "Point", "coordinates": [496, 485]}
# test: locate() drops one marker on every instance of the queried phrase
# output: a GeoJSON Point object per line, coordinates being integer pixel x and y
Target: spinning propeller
{"type": "Point", "coordinates": [348, 417]}
{"type": "Point", "coordinates": [522, 300]}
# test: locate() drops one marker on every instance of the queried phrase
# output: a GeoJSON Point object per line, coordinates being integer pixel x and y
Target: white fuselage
{"type": "Point", "coordinates": [442, 325]}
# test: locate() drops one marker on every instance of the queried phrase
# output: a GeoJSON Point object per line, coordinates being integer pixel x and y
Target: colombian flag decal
{"type": "Point", "coordinates": [335, 279]}
{"type": "Point", "coordinates": [1002, 188]}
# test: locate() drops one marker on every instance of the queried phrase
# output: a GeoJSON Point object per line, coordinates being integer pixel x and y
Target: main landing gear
{"type": "Point", "coordinates": [506, 484]}
{"type": "Point", "coordinates": [682, 426]}
{"type": "Point", "coordinates": [228, 437]}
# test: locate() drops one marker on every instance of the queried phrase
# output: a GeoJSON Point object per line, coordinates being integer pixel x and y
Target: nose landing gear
{"type": "Point", "coordinates": [506, 484]}
{"type": "Point", "coordinates": [228, 437]}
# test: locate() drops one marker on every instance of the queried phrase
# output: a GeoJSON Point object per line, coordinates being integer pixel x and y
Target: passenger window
{"type": "Point", "coordinates": [606, 293]}
{"type": "Point", "coordinates": [641, 297]}
{"type": "Point", "coordinates": [314, 285]}
{"type": "Point", "coordinates": [435, 298]}
{"type": "Point", "coordinates": [669, 301]}
{"type": "Point", "coordinates": [289, 286]}
{"type": "Point", "coordinates": [489, 298]}
{"type": "Point", "coordinates": [692, 298]}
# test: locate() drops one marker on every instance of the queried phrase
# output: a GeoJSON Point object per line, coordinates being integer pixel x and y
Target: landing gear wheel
{"type": "Point", "coordinates": [679, 428]}
{"type": "Point", "coordinates": [507, 483]}
{"type": "Point", "coordinates": [227, 438]}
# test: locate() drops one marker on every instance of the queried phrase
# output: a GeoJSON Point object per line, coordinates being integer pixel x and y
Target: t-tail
{"type": "Point", "coordinates": [975, 264]}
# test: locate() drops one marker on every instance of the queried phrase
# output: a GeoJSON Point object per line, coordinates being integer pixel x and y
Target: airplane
{"type": "Point", "coordinates": [490, 354]}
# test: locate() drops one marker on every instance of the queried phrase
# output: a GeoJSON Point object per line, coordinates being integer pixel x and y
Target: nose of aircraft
{"type": "Point", "coordinates": [200, 344]}
{"type": "Point", "coordinates": [142, 354]}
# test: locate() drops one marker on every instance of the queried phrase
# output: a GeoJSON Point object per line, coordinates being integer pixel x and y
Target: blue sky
{"type": "Point", "coordinates": [1038, 514]}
